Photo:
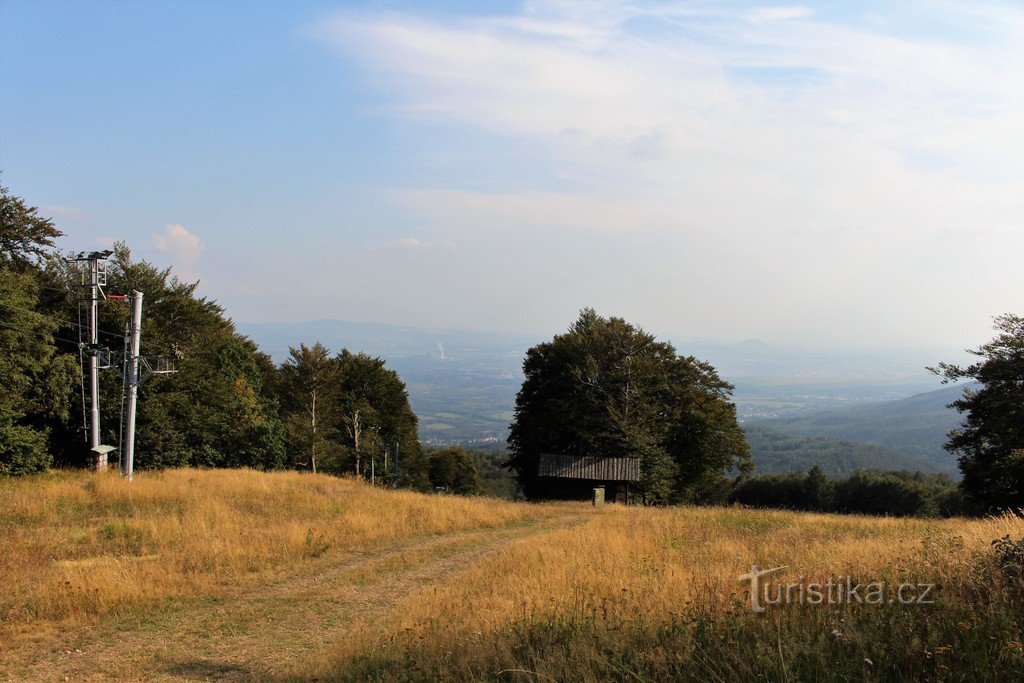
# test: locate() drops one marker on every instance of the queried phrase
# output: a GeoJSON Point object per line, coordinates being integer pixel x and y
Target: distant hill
{"type": "Point", "coordinates": [916, 426]}
{"type": "Point", "coordinates": [463, 384]}
{"type": "Point", "coordinates": [776, 452]}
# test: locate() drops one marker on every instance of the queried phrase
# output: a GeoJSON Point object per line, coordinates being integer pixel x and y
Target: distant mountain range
{"type": "Point", "coordinates": [842, 411]}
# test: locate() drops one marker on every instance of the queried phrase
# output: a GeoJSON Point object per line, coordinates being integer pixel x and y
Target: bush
{"type": "Point", "coordinates": [453, 470]}
{"type": "Point", "coordinates": [870, 492]}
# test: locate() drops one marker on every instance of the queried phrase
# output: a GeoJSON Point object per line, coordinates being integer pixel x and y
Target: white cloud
{"type": "Point", "coordinates": [779, 13]}
{"type": "Point", "coordinates": [733, 131]}
{"type": "Point", "coordinates": [808, 94]}
{"type": "Point", "coordinates": [183, 248]}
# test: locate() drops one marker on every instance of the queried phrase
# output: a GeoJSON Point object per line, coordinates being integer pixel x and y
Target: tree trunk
{"type": "Point", "coordinates": [356, 429]}
{"type": "Point", "coordinates": [312, 446]}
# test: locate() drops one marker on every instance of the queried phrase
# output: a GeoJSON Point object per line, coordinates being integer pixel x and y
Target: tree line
{"type": "Point", "coordinates": [869, 492]}
{"type": "Point", "coordinates": [603, 388]}
{"type": "Point", "coordinates": [228, 404]}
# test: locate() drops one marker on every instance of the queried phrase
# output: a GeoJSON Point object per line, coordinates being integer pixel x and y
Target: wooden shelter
{"type": "Point", "coordinates": [576, 476]}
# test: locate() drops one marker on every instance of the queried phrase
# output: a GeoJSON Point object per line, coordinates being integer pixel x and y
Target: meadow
{"type": "Point", "coordinates": [236, 574]}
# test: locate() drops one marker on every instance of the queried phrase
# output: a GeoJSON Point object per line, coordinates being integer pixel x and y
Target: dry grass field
{"type": "Point", "coordinates": [193, 575]}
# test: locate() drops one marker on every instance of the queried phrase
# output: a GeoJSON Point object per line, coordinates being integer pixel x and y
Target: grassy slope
{"type": "Point", "coordinates": [78, 548]}
{"type": "Point", "coordinates": [224, 577]}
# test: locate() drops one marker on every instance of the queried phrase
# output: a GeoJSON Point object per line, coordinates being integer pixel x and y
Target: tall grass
{"type": "Point", "coordinates": [626, 593]}
{"type": "Point", "coordinates": [643, 594]}
{"type": "Point", "coordinates": [75, 546]}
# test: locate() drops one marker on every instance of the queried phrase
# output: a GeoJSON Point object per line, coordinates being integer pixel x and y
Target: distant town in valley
{"type": "Point", "coordinates": [839, 411]}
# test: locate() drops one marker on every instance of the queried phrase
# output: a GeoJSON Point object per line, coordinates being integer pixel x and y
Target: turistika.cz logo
{"type": "Point", "coordinates": [834, 591]}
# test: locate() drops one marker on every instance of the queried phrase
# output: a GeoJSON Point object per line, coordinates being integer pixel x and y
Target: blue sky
{"type": "Point", "coordinates": [830, 174]}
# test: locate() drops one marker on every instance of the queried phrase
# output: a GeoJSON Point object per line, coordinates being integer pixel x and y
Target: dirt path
{"type": "Point", "coordinates": [270, 628]}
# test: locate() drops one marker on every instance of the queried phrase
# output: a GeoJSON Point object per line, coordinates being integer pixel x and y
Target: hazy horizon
{"type": "Point", "coordinates": [825, 176]}
{"type": "Point", "coordinates": [536, 336]}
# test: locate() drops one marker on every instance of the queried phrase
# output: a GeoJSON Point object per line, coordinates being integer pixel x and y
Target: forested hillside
{"type": "Point", "coordinates": [916, 426]}
{"type": "Point", "coordinates": [775, 452]}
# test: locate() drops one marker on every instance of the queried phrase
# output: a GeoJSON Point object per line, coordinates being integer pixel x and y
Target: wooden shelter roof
{"type": "Point", "coordinates": [589, 467]}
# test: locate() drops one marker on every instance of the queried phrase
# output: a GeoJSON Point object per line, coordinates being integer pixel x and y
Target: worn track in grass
{"type": "Point", "coordinates": [267, 629]}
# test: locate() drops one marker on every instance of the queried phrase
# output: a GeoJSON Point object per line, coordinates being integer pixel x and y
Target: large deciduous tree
{"type": "Point", "coordinates": [374, 415]}
{"type": "Point", "coordinates": [990, 442]}
{"type": "Point", "coordinates": [217, 410]}
{"type": "Point", "coordinates": [606, 388]}
{"type": "Point", "coordinates": [26, 238]}
{"type": "Point", "coordinates": [308, 389]}
{"type": "Point", "coordinates": [36, 382]}
{"type": "Point", "coordinates": [36, 379]}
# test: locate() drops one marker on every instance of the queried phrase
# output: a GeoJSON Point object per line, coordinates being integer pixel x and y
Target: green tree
{"type": "Point", "coordinates": [819, 492]}
{"type": "Point", "coordinates": [990, 443]}
{"type": "Point", "coordinates": [218, 409]}
{"type": "Point", "coordinates": [454, 470]}
{"type": "Point", "coordinates": [36, 382]}
{"type": "Point", "coordinates": [607, 388]}
{"type": "Point", "coordinates": [872, 492]}
{"type": "Point", "coordinates": [308, 391]}
{"type": "Point", "coordinates": [374, 415]}
{"type": "Point", "coordinates": [885, 493]}
{"type": "Point", "coordinates": [26, 238]}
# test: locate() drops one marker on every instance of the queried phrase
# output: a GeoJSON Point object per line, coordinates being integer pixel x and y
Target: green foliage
{"type": "Point", "coordinates": [221, 409]}
{"type": "Point", "coordinates": [495, 479]}
{"type": "Point", "coordinates": [453, 470]}
{"type": "Point", "coordinates": [819, 493]}
{"type": "Point", "coordinates": [245, 428]}
{"type": "Point", "coordinates": [911, 429]}
{"type": "Point", "coordinates": [607, 388]}
{"type": "Point", "coordinates": [775, 452]}
{"type": "Point", "coordinates": [990, 443]}
{"type": "Point", "coordinates": [372, 416]}
{"type": "Point", "coordinates": [885, 493]}
{"type": "Point", "coordinates": [217, 410]}
{"type": "Point", "coordinates": [25, 237]}
{"type": "Point", "coordinates": [307, 387]}
{"type": "Point", "coordinates": [36, 382]}
{"type": "Point", "coordinates": [871, 492]}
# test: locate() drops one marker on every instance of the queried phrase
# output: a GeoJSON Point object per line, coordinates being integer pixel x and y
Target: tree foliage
{"type": "Point", "coordinates": [36, 382]}
{"type": "Point", "coordinates": [373, 415]}
{"type": "Point", "coordinates": [453, 470]}
{"type": "Point", "coordinates": [217, 410]}
{"type": "Point", "coordinates": [990, 443]}
{"type": "Point", "coordinates": [26, 238]}
{"type": "Point", "coordinates": [871, 492]}
{"type": "Point", "coordinates": [36, 379]}
{"type": "Point", "coordinates": [607, 388]}
{"type": "Point", "coordinates": [307, 385]}
{"type": "Point", "coordinates": [226, 406]}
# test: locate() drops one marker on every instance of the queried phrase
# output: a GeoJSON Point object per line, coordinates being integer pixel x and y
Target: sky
{"type": "Point", "coordinates": [825, 174]}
